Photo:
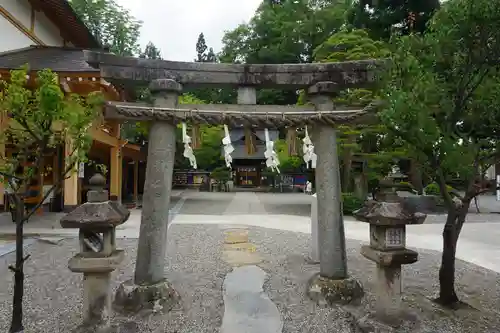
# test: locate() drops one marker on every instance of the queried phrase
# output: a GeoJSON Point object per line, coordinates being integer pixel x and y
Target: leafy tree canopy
{"type": "Point", "coordinates": [442, 97]}
{"type": "Point", "coordinates": [151, 52]}
{"type": "Point", "coordinates": [203, 53]}
{"type": "Point", "coordinates": [111, 24]}
{"type": "Point", "coordinates": [383, 18]}
{"type": "Point", "coordinates": [287, 32]}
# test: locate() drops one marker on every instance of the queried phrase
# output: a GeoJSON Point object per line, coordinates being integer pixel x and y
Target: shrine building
{"type": "Point", "coordinates": [248, 156]}
{"type": "Point", "coordinates": [47, 34]}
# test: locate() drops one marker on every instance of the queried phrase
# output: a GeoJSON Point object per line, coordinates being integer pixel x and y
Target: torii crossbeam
{"type": "Point", "coordinates": [118, 69]}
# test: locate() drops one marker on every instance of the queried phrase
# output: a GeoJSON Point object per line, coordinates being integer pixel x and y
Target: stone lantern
{"type": "Point", "coordinates": [388, 221]}
{"type": "Point", "coordinates": [97, 220]}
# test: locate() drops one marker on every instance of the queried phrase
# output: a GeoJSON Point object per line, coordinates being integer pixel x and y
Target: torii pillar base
{"type": "Point", "coordinates": [133, 298]}
{"type": "Point", "coordinates": [328, 292]}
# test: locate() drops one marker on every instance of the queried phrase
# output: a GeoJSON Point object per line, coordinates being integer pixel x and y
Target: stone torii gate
{"type": "Point", "coordinates": [166, 80]}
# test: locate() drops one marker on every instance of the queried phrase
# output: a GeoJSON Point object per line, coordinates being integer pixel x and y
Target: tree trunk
{"type": "Point", "coordinates": [416, 177]}
{"type": "Point", "coordinates": [454, 222]}
{"type": "Point", "coordinates": [16, 325]}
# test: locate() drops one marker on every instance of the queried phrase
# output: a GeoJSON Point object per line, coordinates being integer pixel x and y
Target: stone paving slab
{"type": "Point", "coordinates": [247, 308]}
{"type": "Point", "coordinates": [197, 270]}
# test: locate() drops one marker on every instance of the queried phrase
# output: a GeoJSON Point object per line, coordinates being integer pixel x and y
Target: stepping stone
{"type": "Point", "coordinates": [247, 309]}
{"type": "Point", "coordinates": [237, 251]}
{"type": "Point", "coordinates": [232, 227]}
{"type": "Point", "coordinates": [245, 247]}
{"type": "Point", "coordinates": [236, 236]}
{"type": "Point", "coordinates": [241, 258]}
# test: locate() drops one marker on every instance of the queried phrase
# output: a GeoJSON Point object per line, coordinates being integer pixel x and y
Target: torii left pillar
{"type": "Point", "coordinates": [150, 288]}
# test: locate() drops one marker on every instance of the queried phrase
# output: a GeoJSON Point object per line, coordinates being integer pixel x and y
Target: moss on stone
{"type": "Point", "coordinates": [328, 292]}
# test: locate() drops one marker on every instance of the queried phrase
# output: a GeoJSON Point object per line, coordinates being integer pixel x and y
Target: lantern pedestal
{"type": "Point", "coordinates": [388, 250]}
{"type": "Point", "coordinates": [97, 220]}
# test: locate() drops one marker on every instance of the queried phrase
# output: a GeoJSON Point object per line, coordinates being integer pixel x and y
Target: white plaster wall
{"type": "Point", "coordinates": [47, 31]}
{"type": "Point", "coordinates": [12, 38]}
{"type": "Point", "coordinates": [20, 9]}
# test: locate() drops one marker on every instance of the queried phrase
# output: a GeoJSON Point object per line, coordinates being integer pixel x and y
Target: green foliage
{"type": "Point", "coordinates": [206, 54]}
{"type": "Point", "coordinates": [151, 52]}
{"type": "Point", "coordinates": [284, 33]}
{"type": "Point", "coordinates": [368, 142]}
{"type": "Point", "coordinates": [349, 46]}
{"type": "Point", "coordinates": [40, 121]}
{"type": "Point", "coordinates": [273, 35]}
{"type": "Point", "coordinates": [405, 186]}
{"type": "Point", "coordinates": [388, 17]}
{"type": "Point", "coordinates": [221, 174]}
{"type": "Point", "coordinates": [203, 53]}
{"type": "Point", "coordinates": [111, 24]}
{"type": "Point", "coordinates": [287, 163]}
{"type": "Point", "coordinates": [350, 203]}
{"type": "Point", "coordinates": [433, 189]}
{"type": "Point", "coordinates": [209, 155]}
{"type": "Point", "coordinates": [443, 90]}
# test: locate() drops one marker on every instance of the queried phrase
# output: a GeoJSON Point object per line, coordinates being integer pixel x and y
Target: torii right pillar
{"type": "Point", "coordinates": [332, 285]}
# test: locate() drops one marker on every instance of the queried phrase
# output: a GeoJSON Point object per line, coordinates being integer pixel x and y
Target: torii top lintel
{"type": "Point", "coordinates": [131, 70]}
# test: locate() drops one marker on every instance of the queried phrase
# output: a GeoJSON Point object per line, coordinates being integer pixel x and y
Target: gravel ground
{"type": "Point", "coordinates": [290, 272]}
{"type": "Point", "coordinates": [53, 293]}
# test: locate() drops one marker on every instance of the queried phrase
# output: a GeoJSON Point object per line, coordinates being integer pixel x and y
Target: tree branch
{"type": "Point", "coordinates": [22, 120]}
{"type": "Point", "coordinates": [474, 87]}
{"type": "Point", "coordinates": [16, 269]}
{"type": "Point", "coordinates": [10, 176]}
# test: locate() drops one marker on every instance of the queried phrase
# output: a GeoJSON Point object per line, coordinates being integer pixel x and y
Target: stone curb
{"type": "Point", "coordinates": [11, 247]}
{"type": "Point", "coordinates": [29, 234]}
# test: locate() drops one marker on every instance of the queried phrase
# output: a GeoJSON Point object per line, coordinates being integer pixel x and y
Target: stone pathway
{"type": "Point", "coordinates": [245, 203]}
{"type": "Point", "coordinates": [247, 309]}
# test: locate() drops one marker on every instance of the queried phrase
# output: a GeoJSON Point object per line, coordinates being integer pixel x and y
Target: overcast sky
{"type": "Point", "coordinates": [174, 25]}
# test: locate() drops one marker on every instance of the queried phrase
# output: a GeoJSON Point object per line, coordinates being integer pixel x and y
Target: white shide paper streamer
{"type": "Point", "coordinates": [308, 151]}
{"type": "Point", "coordinates": [272, 160]}
{"type": "Point", "coordinates": [228, 147]}
{"type": "Point", "coordinates": [188, 151]}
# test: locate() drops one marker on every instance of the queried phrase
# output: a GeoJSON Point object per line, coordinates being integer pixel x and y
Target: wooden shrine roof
{"type": "Point", "coordinates": [68, 62]}
{"type": "Point", "coordinates": [71, 26]}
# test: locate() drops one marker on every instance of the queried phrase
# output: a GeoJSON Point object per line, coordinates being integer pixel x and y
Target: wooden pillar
{"type": "Point", "coordinates": [115, 166]}
{"type": "Point", "coordinates": [70, 183]}
{"type": "Point", "coordinates": [2, 187]}
{"type": "Point", "coordinates": [136, 181]}
{"type": "Point", "coordinates": [3, 124]}
{"type": "Point", "coordinates": [124, 176]}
